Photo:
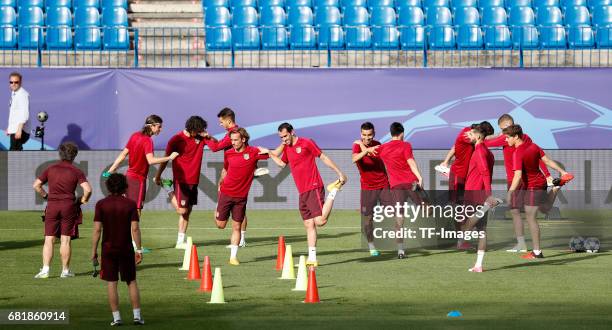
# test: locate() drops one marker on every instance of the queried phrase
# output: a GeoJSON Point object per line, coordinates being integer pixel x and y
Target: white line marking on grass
{"type": "Point", "coordinates": [192, 228]}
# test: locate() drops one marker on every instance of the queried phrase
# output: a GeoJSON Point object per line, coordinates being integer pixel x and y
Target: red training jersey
{"type": "Point", "coordinates": [63, 178]}
{"type": "Point", "coordinates": [395, 155]}
{"type": "Point", "coordinates": [224, 144]}
{"type": "Point", "coordinates": [508, 151]}
{"type": "Point", "coordinates": [463, 153]}
{"type": "Point", "coordinates": [116, 214]}
{"type": "Point", "coordinates": [527, 159]}
{"type": "Point", "coordinates": [480, 171]}
{"type": "Point", "coordinates": [139, 145]}
{"type": "Point", "coordinates": [240, 167]}
{"type": "Point", "coordinates": [371, 169]}
{"type": "Point", "coordinates": [301, 159]}
{"type": "Point", "coordinates": [186, 167]}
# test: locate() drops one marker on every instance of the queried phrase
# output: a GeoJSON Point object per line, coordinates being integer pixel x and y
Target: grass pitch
{"type": "Point", "coordinates": [564, 290]}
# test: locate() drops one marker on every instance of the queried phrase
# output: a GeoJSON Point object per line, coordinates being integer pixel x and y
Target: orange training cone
{"type": "Point", "coordinates": [312, 292]}
{"type": "Point", "coordinates": [280, 257]}
{"type": "Point", "coordinates": [207, 282]}
{"type": "Point", "coordinates": [194, 265]}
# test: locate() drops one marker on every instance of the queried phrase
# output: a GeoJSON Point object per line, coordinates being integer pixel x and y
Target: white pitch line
{"type": "Point", "coordinates": [190, 228]}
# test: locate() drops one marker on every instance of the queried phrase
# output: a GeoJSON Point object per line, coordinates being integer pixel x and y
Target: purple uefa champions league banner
{"type": "Point", "coordinates": [100, 108]}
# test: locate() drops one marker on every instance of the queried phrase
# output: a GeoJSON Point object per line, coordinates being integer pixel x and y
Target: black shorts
{"type": "Point", "coordinates": [186, 194]}
{"type": "Point", "coordinates": [370, 198]}
{"type": "Point", "coordinates": [115, 263]}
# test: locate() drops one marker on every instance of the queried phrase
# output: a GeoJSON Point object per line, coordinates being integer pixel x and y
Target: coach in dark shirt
{"type": "Point", "coordinates": [116, 218]}
{"type": "Point", "coordinates": [63, 209]}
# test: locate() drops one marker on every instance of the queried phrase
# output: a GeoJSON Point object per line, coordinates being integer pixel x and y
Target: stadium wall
{"type": "Point", "coordinates": [593, 182]}
{"type": "Point", "coordinates": [100, 108]}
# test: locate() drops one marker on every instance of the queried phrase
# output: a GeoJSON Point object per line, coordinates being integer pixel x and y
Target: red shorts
{"type": "Point", "coordinates": [528, 197]}
{"type": "Point", "coordinates": [456, 188]}
{"type": "Point", "coordinates": [403, 192]}
{"type": "Point", "coordinates": [234, 205]}
{"type": "Point", "coordinates": [370, 198]}
{"type": "Point", "coordinates": [61, 218]}
{"type": "Point", "coordinates": [113, 264]}
{"type": "Point", "coordinates": [137, 191]}
{"type": "Point", "coordinates": [186, 194]}
{"type": "Point", "coordinates": [311, 203]}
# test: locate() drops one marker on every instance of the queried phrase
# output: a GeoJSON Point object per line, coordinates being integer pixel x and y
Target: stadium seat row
{"type": "Point", "coordinates": [63, 38]}
{"type": "Point", "coordinates": [387, 16]}
{"type": "Point", "coordinates": [65, 3]}
{"type": "Point", "coordinates": [408, 37]}
{"type": "Point", "coordinates": [87, 16]}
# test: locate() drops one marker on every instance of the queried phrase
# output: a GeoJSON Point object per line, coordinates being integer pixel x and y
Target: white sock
{"type": "Point", "coordinates": [45, 269]}
{"type": "Point", "coordinates": [332, 194]}
{"type": "Point", "coordinates": [537, 252]}
{"type": "Point", "coordinates": [400, 247]}
{"type": "Point", "coordinates": [134, 245]}
{"type": "Point", "coordinates": [117, 316]}
{"type": "Point", "coordinates": [65, 270]}
{"type": "Point", "coordinates": [520, 240]}
{"type": "Point", "coordinates": [181, 237]}
{"type": "Point", "coordinates": [479, 257]}
{"type": "Point", "coordinates": [459, 242]}
{"type": "Point", "coordinates": [233, 251]}
{"type": "Point", "coordinates": [371, 246]}
{"type": "Point", "coordinates": [242, 234]}
{"type": "Point", "coordinates": [312, 253]}
{"type": "Point", "coordinates": [136, 313]}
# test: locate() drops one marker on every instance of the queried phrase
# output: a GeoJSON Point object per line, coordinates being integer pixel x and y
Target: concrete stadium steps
{"type": "Point", "coordinates": [167, 13]}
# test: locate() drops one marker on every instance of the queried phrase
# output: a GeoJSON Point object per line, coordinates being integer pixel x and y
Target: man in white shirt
{"type": "Point", "coordinates": [19, 113]}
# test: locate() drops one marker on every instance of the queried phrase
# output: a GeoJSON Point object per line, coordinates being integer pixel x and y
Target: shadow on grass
{"type": "Point", "coordinates": [549, 261]}
{"type": "Point", "coordinates": [15, 245]}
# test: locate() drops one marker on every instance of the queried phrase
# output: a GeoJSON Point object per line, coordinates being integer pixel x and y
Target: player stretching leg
{"type": "Point", "coordinates": [300, 153]}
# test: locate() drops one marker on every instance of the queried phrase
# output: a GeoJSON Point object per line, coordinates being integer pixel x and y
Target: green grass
{"type": "Point", "coordinates": [563, 291]}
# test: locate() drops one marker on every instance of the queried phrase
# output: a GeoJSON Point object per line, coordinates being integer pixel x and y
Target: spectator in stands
{"type": "Point", "coordinates": [19, 113]}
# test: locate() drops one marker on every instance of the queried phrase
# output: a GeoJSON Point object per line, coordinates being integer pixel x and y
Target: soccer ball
{"type": "Point", "coordinates": [591, 245]}
{"type": "Point", "coordinates": [42, 116]}
{"type": "Point", "coordinates": [576, 244]}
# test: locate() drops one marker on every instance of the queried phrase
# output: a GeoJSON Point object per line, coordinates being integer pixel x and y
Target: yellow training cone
{"type": "Point", "coordinates": [216, 297]}
{"type": "Point", "coordinates": [301, 284]}
{"type": "Point", "coordinates": [187, 255]}
{"type": "Point", "coordinates": [288, 271]}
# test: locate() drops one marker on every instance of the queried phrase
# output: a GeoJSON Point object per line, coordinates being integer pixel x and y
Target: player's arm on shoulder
{"type": "Point", "coordinates": [358, 154]}
{"type": "Point", "coordinates": [276, 157]}
{"type": "Point", "coordinates": [278, 151]}
{"type": "Point", "coordinates": [152, 160]}
{"type": "Point", "coordinates": [38, 187]}
{"type": "Point", "coordinates": [330, 163]}
{"type": "Point", "coordinates": [122, 155]}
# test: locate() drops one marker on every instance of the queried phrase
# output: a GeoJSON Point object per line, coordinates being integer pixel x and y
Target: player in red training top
{"type": "Point", "coordinates": [139, 148]}
{"type": "Point", "coordinates": [239, 163]}
{"type": "Point", "coordinates": [227, 120]}
{"type": "Point", "coordinates": [528, 184]}
{"type": "Point", "coordinates": [185, 171]}
{"type": "Point", "coordinates": [116, 220]}
{"type": "Point", "coordinates": [300, 153]}
{"type": "Point", "coordinates": [504, 121]}
{"type": "Point", "coordinates": [374, 181]}
{"type": "Point", "coordinates": [403, 172]}
{"type": "Point", "coordinates": [62, 214]}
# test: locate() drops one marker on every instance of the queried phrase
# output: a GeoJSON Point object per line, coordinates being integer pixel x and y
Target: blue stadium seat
{"type": "Point", "coordinates": [114, 16]}
{"type": "Point", "coordinates": [86, 16]}
{"type": "Point", "coordinates": [380, 3]}
{"type": "Point", "coordinates": [86, 3]}
{"type": "Point", "coordinates": [490, 3]}
{"type": "Point", "coordinates": [494, 16]}
{"type": "Point", "coordinates": [8, 37]}
{"type": "Point", "coordinates": [525, 37]}
{"type": "Point", "coordinates": [290, 4]}
{"type": "Point", "coordinates": [385, 37]}
{"type": "Point", "coordinates": [8, 3]}
{"type": "Point", "coordinates": [328, 16]}
{"type": "Point", "coordinates": [217, 16]}
{"type": "Point", "coordinates": [116, 38]}
{"type": "Point", "coordinates": [548, 16]}
{"type": "Point", "coordinates": [598, 3]}
{"type": "Point", "coordinates": [577, 16]}
{"type": "Point", "coordinates": [326, 3]}
{"type": "Point", "coordinates": [407, 3]}
{"type": "Point", "coordinates": [602, 16]}
{"type": "Point", "coordinates": [303, 37]}
{"type": "Point", "coordinates": [274, 38]}
{"type": "Point", "coordinates": [570, 3]}
{"type": "Point", "coordinates": [242, 3]}
{"type": "Point", "coordinates": [87, 38]}
{"type": "Point", "coordinates": [553, 37]}
{"type": "Point", "coordinates": [298, 16]}
{"type": "Point", "coordinates": [463, 3]}
{"type": "Point", "coordinates": [467, 16]}
{"type": "Point", "coordinates": [545, 3]}
{"type": "Point", "coordinates": [245, 16]}
{"type": "Point", "coordinates": [272, 16]}
{"type": "Point", "coordinates": [580, 37]}
{"type": "Point", "coordinates": [270, 3]}
{"type": "Point", "coordinates": [409, 16]}
{"type": "Point", "coordinates": [427, 4]}
{"type": "Point", "coordinates": [30, 21]}
{"type": "Point", "coordinates": [517, 3]}
{"type": "Point", "coordinates": [412, 37]}
{"type": "Point", "coordinates": [59, 37]}
{"type": "Point", "coordinates": [114, 3]}
{"type": "Point", "coordinates": [215, 3]}
{"type": "Point", "coordinates": [521, 16]}
{"type": "Point", "coordinates": [330, 37]}
{"type": "Point", "coordinates": [439, 16]}
{"type": "Point", "coordinates": [55, 3]}
{"type": "Point", "coordinates": [30, 3]}
{"type": "Point", "coordinates": [383, 16]}
{"type": "Point", "coordinates": [246, 38]}
{"type": "Point", "coordinates": [218, 38]}
{"type": "Point", "coordinates": [497, 37]}
{"type": "Point", "coordinates": [469, 37]}
{"type": "Point", "coordinates": [442, 37]}
{"type": "Point", "coordinates": [358, 37]}
{"type": "Point", "coordinates": [8, 16]}
{"type": "Point", "coordinates": [604, 37]}
{"type": "Point", "coordinates": [354, 16]}
{"type": "Point", "coordinates": [353, 3]}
